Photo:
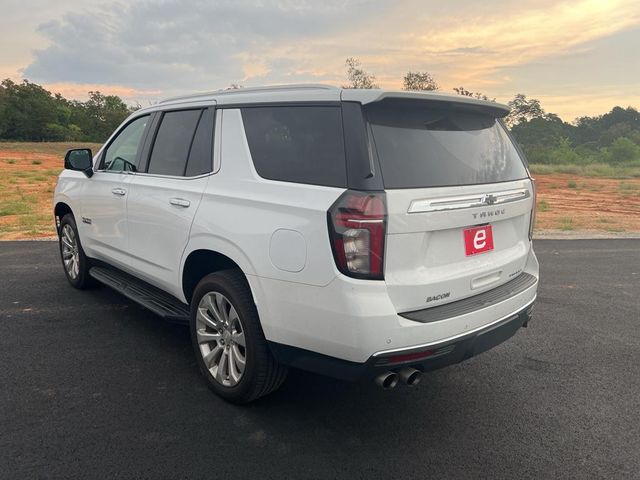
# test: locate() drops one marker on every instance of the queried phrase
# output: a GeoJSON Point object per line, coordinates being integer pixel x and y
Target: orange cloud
{"type": "Point", "coordinates": [80, 91]}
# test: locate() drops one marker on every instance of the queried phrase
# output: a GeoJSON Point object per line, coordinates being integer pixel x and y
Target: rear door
{"type": "Point", "coordinates": [459, 202]}
{"type": "Point", "coordinates": [163, 200]}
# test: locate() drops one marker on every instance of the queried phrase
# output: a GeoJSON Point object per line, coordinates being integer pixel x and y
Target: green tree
{"type": "Point", "coordinates": [357, 77]}
{"type": "Point", "coordinates": [422, 81]}
{"type": "Point", "coordinates": [523, 109]}
{"type": "Point", "coordinates": [477, 95]}
{"type": "Point", "coordinates": [623, 150]}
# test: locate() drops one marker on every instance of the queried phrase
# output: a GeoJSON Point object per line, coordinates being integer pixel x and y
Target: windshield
{"type": "Point", "coordinates": [425, 147]}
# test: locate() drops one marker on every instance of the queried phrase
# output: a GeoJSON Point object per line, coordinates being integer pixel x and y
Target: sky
{"type": "Point", "coordinates": [578, 57]}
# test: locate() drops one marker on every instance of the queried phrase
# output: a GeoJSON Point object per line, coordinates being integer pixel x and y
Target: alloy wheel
{"type": "Point", "coordinates": [221, 339]}
{"type": "Point", "coordinates": [70, 251]}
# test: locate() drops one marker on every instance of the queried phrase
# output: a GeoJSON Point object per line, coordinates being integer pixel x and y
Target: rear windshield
{"type": "Point", "coordinates": [425, 147]}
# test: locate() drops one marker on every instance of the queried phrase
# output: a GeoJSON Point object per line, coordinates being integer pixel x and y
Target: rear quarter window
{"type": "Point", "coordinates": [301, 144]}
{"type": "Point", "coordinates": [427, 147]}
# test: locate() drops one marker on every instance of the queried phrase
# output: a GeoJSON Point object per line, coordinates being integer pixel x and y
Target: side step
{"type": "Point", "coordinates": [159, 302]}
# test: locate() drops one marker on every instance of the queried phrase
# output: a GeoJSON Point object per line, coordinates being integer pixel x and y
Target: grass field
{"type": "Point", "coordinates": [598, 198]}
{"type": "Point", "coordinates": [28, 173]}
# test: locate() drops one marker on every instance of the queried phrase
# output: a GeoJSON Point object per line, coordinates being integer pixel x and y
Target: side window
{"type": "Point", "coordinates": [201, 155]}
{"type": "Point", "coordinates": [301, 144]}
{"type": "Point", "coordinates": [173, 142]}
{"type": "Point", "coordinates": [121, 154]}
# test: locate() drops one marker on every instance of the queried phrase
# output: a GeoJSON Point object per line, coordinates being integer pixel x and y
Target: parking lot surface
{"type": "Point", "coordinates": [92, 386]}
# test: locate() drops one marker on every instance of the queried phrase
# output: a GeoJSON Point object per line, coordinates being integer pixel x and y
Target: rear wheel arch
{"type": "Point", "coordinates": [200, 263]}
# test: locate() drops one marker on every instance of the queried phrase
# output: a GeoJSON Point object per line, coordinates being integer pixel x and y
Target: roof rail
{"type": "Point", "coordinates": [301, 86]}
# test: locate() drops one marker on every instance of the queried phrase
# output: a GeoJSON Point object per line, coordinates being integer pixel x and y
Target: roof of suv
{"type": "Point", "coordinates": [322, 93]}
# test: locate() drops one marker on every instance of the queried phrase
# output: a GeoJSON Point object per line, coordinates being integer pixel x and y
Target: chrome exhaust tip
{"type": "Point", "coordinates": [387, 380]}
{"type": "Point", "coordinates": [410, 376]}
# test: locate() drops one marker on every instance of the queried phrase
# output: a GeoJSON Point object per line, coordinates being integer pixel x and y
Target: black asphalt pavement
{"type": "Point", "coordinates": [92, 386]}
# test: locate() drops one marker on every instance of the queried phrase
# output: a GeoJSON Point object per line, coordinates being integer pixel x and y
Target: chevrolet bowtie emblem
{"type": "Point", "coordinates": [490, 199]}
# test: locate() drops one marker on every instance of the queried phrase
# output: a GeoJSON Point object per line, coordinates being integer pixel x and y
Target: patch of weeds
{"type": "Point", "coordinates": [606, 220]}
{"type": "Point", "coordinates": [615, 229]}
{"type": "Point", "coordinates": [543, 206]}
{"type": "Point", "coordinates": [36, 162]}
{"type": "Point", "coordinates": [566, 223]}
{"type": "Point", "coordinates": [35, 223]}
{"type": "Point", "coordinates": [14, 207]}
{"type": "Point", "coordinates": [629, 186]}
{"type": "Point", "coordinates": [572, 184]}
{"type": "Point", "coordinates": [553, 186]}
{"type": "Point", "coordinates": [11, 161]}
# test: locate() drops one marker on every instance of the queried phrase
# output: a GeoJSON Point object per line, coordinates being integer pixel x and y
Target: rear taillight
{"type": "Point", "coordinates": [357, 227]}
{"type": "Point", "coordinates": [532, 219]}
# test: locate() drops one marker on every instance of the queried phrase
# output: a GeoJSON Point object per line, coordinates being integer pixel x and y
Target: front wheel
{"type": "Point", "coordinates": [228, 341]}
{"type": "Point", "coordinates": [75, 262]}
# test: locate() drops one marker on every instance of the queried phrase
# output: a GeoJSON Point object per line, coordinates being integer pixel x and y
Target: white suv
{"type": "Point", "coordinates": [363, 234]}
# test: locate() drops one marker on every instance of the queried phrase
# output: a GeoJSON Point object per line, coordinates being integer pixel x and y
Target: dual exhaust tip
{"type": "Point", "coordinates": [388, 380]}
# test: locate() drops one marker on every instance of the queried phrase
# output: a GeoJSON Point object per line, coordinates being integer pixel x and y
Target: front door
{"type": "Point", "coordinates": [103, 226]}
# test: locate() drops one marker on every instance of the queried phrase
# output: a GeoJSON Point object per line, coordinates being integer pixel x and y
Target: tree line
{"type": "Point", "coordinates": [28, 112]}
{"type": "Point", "coordinates": [612, 138]}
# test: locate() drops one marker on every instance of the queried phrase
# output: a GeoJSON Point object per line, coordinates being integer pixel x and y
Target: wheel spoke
{"type": "Point", "coordinates": [221, 374]}
{"type": "Point", "coordinates": [212, 307]}
{"type": "Point", "coordinates": [221, 307]}
{"type": "Point", "coordinates": [233, 315]}
{"type": "Point", "coordinates": [239, 339]}
{"type": "Point", "coordinates": [239, 357]}
{"type": "Point", "coordinates": [67, 243]}
{"type": "Point", "coordinates": [204, 318]}
{"type": "Point", "coordinates": [206, 337]}
{"type": "Point", "coordinates": [234, 372]}
{"type": "Point", "coordinates": [210, 358]}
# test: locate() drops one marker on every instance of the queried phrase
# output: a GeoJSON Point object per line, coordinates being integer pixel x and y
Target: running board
{"type": "Point", "coordinates": [150, 297]}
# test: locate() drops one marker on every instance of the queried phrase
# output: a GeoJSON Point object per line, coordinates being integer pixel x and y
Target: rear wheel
{"type": "Point", "coordinates": [74, 261]}
{"type": "Point", "coordinates": [228, 341]}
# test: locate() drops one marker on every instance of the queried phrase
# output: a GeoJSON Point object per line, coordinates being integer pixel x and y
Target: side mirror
{"type": "Point", "coordinates": [80, 159]}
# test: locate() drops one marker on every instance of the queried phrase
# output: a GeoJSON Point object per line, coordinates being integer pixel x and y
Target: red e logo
{"type": "Point", "coordinates": [478, 240]}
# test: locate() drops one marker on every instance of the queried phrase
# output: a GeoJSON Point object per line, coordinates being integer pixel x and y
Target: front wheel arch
{"type": "Point", "coordinates": [61, 209]}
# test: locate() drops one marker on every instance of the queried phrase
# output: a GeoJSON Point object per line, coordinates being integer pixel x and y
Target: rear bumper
{"type": "Point", "coordinates": [353, 320]}
{"type": "Point", "coordinates": [424, 357]}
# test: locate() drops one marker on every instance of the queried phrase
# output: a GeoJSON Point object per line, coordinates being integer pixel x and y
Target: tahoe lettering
{"type": "Point", "coordinates": [490, 213]}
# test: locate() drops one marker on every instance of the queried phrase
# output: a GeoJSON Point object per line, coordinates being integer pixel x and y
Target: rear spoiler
{"type": "Point", "coordinates": [433, 99]}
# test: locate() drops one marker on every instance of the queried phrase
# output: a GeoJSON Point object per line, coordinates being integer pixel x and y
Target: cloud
{"type": "Point", "coordinates": [173, 45]}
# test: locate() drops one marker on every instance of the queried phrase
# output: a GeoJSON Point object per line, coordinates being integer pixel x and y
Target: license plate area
{"type": "Point", "coordinates": [478, 240]}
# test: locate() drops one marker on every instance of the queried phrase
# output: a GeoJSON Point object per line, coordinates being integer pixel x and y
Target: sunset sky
{"type": "Point", "coordinates": [579, 57]}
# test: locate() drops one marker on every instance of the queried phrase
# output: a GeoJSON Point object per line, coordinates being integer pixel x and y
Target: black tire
{"type": "Point", "coordinates": [82, 280]}
{"type": "Point", "coordinates": [262, 374]}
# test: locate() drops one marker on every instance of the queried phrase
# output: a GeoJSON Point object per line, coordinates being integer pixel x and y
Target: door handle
{"type": "Point", "coordinates": [180, 202]}
{"type": "Point", "coordinates": [118, 191]}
